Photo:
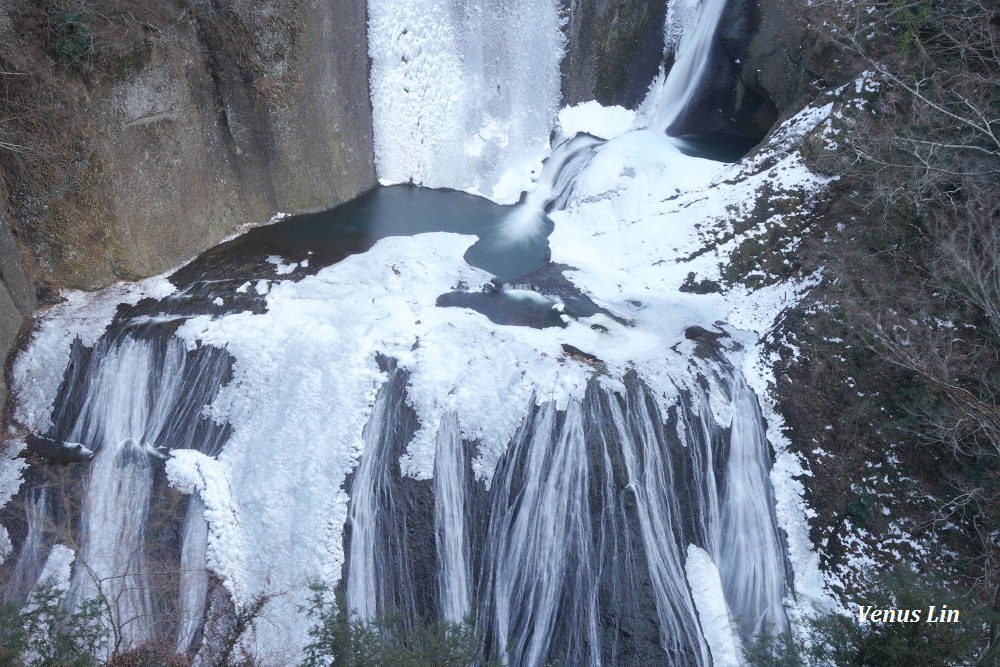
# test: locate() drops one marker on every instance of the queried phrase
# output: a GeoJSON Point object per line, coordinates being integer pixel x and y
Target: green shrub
{"type": "Point", "coordinates": [70, 32]}
{"type": "Point", "coordinates": [842, 641]}
{"type": "Point", "coordinates": [862, 508]}
{"type": "Point", "coordinates": [42, 634]}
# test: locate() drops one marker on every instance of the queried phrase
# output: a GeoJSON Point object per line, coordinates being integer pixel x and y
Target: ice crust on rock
{"type": "Point", "coordinates": [622, 234]}
{"type": "Point", "coordinates": [464, 94]}
{"type": "Point", "coordinates": [38, 371]}
{"type": "Point", "coordinates": [190, 471]}
{"type": "Point", "coordinates": [58, 564]}
{"type": "Point", "coordinates": [590, 117]}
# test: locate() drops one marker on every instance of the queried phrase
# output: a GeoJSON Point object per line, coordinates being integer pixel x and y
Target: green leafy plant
{"type": "Point", "coordinates": [836, 640]}
{"type": "Point", "coordinates": [43, 634]}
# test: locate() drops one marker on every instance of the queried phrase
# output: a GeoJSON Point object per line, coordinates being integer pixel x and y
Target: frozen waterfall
{"type": "Point", "coordinates": [582, 533]}
{"type": "Point", "coordinates": [464, 93]}
{"type": "Point", "coordinates": [592, 484]}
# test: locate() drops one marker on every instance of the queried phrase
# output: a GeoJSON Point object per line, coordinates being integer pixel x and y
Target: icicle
{"type": "Point", "coordinates": [193, 575]}
{"type": "Point", "coordinates": [450, 471]}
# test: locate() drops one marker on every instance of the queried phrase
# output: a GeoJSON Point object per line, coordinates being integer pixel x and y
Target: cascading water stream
{"type": "Point", "coordinates": [652, 478]}
{"type": "Point", "coordinates": [538, 569]}
{"type": "Point", "coordinates": [584, 527]}
{"type": "Point", "coordinates": [676, 92]}
{"type": "Point", "coordinates": [120, 419]}
{"type": "Point", "coordinates": [385, 563]}
{"type": "Point", "coordinates": [751, 561]}
{"type": "Point", "coordinates": [193, 575]}
{"type": "Point", "coordinates": [30, 560]}
{"type": "Point", "coordinates": [134, 397]}
{"type": "Point", "coordinates": [667, 101]}
{"type": "Point", "coordinates": [451, 531]}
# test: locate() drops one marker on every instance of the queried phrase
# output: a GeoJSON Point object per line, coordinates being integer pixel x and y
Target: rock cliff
{"type": "Point", "coordinates": [136, 134]}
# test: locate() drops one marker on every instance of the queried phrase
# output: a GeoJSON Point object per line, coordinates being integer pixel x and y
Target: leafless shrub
{"type": "Point", "coordinates": [919, 257]}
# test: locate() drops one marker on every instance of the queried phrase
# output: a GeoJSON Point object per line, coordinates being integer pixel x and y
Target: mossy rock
{"type": "Point", "coordinates": [626, 25]}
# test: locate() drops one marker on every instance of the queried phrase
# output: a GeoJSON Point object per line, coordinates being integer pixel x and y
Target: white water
{"type": "Point", "coordinates": [193, 574]}
{"type": "Point", "coordinates": [588, 508]}
{"type": "Point", "coordinates": [672, 95]}
{"type": "Point", "coordinates": [30, 558]}
{"type": "Point", "coordinates": [752, 558]}
{"type": "Point", "coordinates": [538, 540]}
{"type": "Point", "coordinates": [452, 538]}
{"type": "Point", "coordinates": [119, 419]}
{"type": "Point", "coordinates": [138, 396]}
{"type": "Point", "coordinates": [668, 98]}
{"type": "Point", "coordinates": [363, 586]}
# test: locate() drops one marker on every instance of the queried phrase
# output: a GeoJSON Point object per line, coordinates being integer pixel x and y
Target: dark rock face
{"type": "Point", "coordinates": [776, 60]}
{"type": "Point", "coordinates": [17, 295]}
{"type": "Point", "coordinates": [763, 63]}
{"type": "Point", "coordinates": [727, 103]}
{"type": "Point", "coordinates": [405, 559]}
{"type": "Point", "coordinates": [185, 121]}
{"type": "Point", "coordinates": [758, 70]}
{"type": "Point", "coordinates": [614, 49]}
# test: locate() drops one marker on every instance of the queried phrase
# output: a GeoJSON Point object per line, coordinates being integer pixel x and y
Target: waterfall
{"type": "Point", "coordinates": [550, 191]}
{"type": "Point", "coordinates": [538, 571]}
{"type": "Point", "coordinates": [119, 420]}
{"type": "Point", "coordinates": [584, 527]}
{"type": "Point", "coordinates": [193, 587]}
{"type": "Point", "coordinates": [133, 397]}
{"type": "Point", "coordinates": [31, 557]}
{"type": "Point", "coordinates": [588, 500]}
{"type": "Point", "coordinates": [669, 97]}
{"type": "Point", "coordinates": [389, 567]}
{"type": "Point", "coordinates": [652, 476]}
{"type": "Point", "coordinates": [451, 471]}
{"type": "Point", "coordinates": [674, 93]}
{"type": "Point", "coordinates": [751, 562]}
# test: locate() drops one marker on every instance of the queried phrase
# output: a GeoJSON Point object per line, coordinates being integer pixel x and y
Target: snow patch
{"type": "Point", "coordinates": [592, 118]}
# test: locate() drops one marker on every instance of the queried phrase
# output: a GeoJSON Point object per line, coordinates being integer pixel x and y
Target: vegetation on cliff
{"type": "Point", "coordinates": [893, 394]}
